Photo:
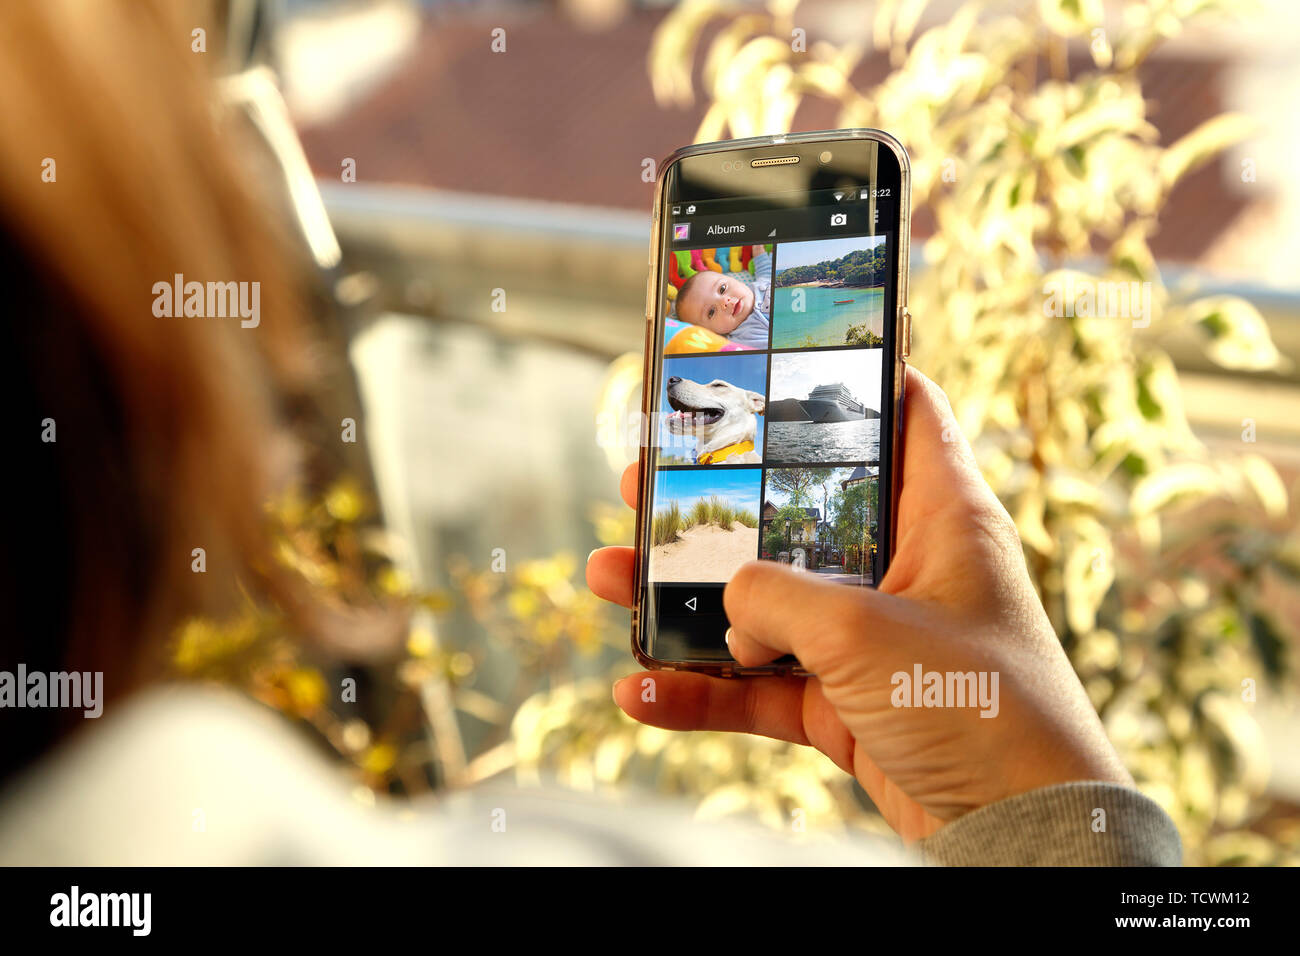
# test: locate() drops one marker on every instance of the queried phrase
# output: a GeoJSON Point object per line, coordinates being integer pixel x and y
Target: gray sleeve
{"type": "Point", "coordinates": [752, 333]}
{"type": "Point", "coordinates": [1072, 824]}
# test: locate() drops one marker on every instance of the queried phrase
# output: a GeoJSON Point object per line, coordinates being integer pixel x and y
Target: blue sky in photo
{"type": "Point", "coordinates": [789, 254]}
{"type": "Point", "coordinates": [780, 499]}
{"type": "Point", "coordinates": [795, 374]}
{"type": "Point", "coordinates": [746, 371]}
{"type": "Point", "coordinates": [739, 486]}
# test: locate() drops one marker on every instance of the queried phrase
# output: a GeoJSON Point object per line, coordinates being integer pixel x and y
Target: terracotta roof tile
{"type": "Point", "coordinates": [568, 116]}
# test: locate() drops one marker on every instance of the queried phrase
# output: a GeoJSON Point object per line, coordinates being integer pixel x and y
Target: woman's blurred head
{"type": "Point", "coordinates": [140, 437]}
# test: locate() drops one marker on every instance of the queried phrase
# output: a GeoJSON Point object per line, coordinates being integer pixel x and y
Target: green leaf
{"type": "Point", "coordinates": [1147, 404]}
{"type": "Point", "coordinates": [1239, 336]}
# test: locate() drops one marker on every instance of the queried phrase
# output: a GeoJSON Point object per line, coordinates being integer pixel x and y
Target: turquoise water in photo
{"type": "Point", "coordinates": [822, 322]}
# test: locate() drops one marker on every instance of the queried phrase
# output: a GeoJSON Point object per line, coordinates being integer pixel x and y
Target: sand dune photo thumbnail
{"type": "Point", "coordinates": [705, 553]}
{"type": "Point", "coordinates": [705, 523]}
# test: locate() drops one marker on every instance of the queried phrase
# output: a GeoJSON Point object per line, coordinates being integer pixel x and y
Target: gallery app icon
{"type": "Point", "coordinates": [681, 231]}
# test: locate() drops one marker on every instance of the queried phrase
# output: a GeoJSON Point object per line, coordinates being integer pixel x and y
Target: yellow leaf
{"type": "Point", "coordinates": [1157, 490]}
{"type": "Point", "coordinates": [1202, 144]}
{"type": "Point", "coordinates": [420, 643]}
{"type": "Point", "coordinates": [1029, 522]}
{"type": "Point", "coordinates": [379, 759]}
{"type": "Point", "coordinates": [345, 502]}
{"type": "Point", "coordinates": [672, 51]}
{"type": "Point", "coordinates": [1070, 17]}
{"type": "Point", "coordinates": [306, 689]}
{"type": "Point", "coordinates": [1265, 482]}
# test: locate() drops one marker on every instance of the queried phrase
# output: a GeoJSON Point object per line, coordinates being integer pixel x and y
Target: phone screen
{"type": "Point", "coordinates": [771, 387]}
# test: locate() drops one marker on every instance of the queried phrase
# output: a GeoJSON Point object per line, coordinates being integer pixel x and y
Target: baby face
{"type": "Point", "coordinates": [717, 302]}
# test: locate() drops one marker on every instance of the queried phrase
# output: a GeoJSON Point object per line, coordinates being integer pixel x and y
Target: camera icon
{"type": "Point", "coordinates": [839, 219]}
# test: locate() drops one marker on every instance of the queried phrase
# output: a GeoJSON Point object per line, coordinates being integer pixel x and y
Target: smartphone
{"type": "Point", "coordinates": [777, 332]}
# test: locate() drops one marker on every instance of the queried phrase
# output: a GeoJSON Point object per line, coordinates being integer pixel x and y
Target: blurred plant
{"type": "Point", "coordinates": [387, 732]}
{"type": "Point", "coordinates": [1151, 555]}
{"type": "Point", "coordinates": [1153, 558]}
{"type": "Point", "coordinates": [329, 544]}
{"type": "Point", "coordinates": [568, 734]}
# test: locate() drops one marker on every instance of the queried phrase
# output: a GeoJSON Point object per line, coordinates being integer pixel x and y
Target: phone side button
{"type": "Point", "coordinates": [907, 333]}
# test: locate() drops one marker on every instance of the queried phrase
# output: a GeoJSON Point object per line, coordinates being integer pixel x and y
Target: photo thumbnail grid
{"type": "Point", "coordinates": [771, 449]}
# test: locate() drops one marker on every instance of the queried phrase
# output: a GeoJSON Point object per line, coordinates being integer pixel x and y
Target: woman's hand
{"type": "Point", "coordinates": [957, 598]}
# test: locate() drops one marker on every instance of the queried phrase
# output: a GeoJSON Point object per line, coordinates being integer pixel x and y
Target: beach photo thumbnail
{"type": "Point", "coordinates": [829, 292]}
{"type": "Point", "coordinates": [705, 523]}
{"type": "Point", "coordinates": [711, 410]}
{"type": "Point", "coordinates": [822, 520]}
{"type": "Point", "coordinates": [824, 407]}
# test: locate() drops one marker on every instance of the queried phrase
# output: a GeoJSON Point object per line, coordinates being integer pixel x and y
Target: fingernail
{"type": "Point", "coordinates": [593, 551]}
{"type": "Point", "coordinates": [614, 692]}
{"type": "Point", "coordinates": [728, 638]}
